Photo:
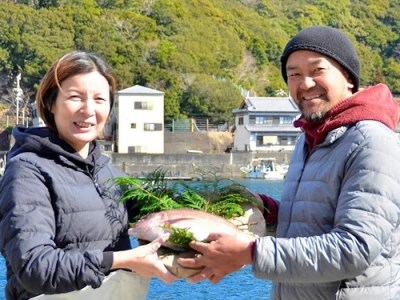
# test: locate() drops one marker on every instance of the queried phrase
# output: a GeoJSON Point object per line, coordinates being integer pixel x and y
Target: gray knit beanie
{"type": "Point", "coordinates": [328, 41]}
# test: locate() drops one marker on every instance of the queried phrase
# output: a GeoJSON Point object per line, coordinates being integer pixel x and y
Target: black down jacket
{"type": "Point", "coordinates": [59, 216]}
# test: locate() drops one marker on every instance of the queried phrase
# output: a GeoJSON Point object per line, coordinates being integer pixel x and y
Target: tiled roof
{"type": "Point", "coordinates": [270, 104]}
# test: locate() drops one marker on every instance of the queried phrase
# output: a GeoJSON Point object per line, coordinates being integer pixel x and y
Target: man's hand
{"type": "Point", "coordinates": [222, 255]}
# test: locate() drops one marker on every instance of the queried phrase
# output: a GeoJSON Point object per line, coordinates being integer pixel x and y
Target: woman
{"type": "Point", "coordinates": [61, 225]}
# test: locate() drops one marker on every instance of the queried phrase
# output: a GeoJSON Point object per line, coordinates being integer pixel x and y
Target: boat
{"type": "Point", "coordinates": [264, 168]}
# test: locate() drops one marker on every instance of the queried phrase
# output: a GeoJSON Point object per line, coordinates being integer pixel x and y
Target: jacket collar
{"type": "Point", "coordinates": [373, 103]}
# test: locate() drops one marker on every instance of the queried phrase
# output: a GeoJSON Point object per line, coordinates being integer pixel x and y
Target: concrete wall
{"type": "Point", "coordinates": [206, 142]}
{"type": "Point", "coordinates": [178, 162]}
{"type": "Point", "coordinates": [191, 165]}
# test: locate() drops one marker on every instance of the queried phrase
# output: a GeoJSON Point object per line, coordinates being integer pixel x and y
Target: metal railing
{"type": "Point", "coordinates": [195, 125]}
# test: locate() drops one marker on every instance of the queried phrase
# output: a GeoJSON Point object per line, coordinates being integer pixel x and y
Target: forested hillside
{"type": "Point", "coordinates": [201, 53]}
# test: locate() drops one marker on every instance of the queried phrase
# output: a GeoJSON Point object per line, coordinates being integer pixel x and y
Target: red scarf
{"type": "Point", "coordinates": [372, 103]}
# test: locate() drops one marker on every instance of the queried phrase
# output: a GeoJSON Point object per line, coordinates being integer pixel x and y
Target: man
{"type": "Point", "coordinates": [338, 234]}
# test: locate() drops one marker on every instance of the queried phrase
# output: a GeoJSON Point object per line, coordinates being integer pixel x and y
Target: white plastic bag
{"type": "Point", "coordinates": [117, 285]}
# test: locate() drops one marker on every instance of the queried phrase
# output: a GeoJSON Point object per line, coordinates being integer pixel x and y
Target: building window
{"type": "Point", "coordinates": [261, 120]}
{"type": "Point", "coordinates": [267, 140]}
{"type": "Point", "coordinates": [133, 125]}
{"type": "Point", "coordinates": [108, 148]}
{"type": "Point", "coordinates": [271, 120]}
{"type": "Point", "coordinates": [152, 127]}
{"type": "Point", "coordinates": [286, 120]}
{"type": "Point", "coordinates": [240, 121]}
{"type": "Point", "coordinates": [287, 140]}
{"type": "Point", "coordinates": [143, 105]}
{"type": "Point", "coordinates": [135, 149]}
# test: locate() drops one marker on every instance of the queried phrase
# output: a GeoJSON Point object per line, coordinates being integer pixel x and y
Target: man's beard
{"type": "Point", "coordinates": [314, 117]}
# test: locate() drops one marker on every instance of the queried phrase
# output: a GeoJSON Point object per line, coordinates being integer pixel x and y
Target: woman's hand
{"type": "Point", "coordinates": [144, 261]}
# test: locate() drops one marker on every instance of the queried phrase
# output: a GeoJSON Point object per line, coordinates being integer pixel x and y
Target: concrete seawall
{"type": "Point", "coordinates": [177, 160]}
{"type": "Point", "coordinates": [191, 165]}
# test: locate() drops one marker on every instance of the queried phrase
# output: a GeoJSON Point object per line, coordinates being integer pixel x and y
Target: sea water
{"type": "Point", "coordinates": [240, 285]}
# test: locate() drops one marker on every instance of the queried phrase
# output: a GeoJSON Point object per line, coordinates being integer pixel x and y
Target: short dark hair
{"type": "Point", "coordinates": [71, 64]}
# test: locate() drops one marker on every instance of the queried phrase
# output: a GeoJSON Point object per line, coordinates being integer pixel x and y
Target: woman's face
{"type": "Point", "coordinates": [81, 109]}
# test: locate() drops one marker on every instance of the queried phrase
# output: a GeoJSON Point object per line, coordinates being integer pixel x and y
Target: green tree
{"type": "Point", "coordinates": [211, 98]}
{"type": "Point", "coordinates": [392, 74]}
{"type": "Point", "coordinates": [199, 52]}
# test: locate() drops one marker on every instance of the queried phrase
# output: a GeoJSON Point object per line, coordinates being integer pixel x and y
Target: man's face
{"type": "Point", "coordinates": [317, 83]}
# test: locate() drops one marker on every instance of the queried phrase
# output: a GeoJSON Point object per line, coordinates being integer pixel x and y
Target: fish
{"type": "Point", "coordinates": [199, 223]}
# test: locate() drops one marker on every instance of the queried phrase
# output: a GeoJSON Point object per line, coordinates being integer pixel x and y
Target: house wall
{"type": "Point", "coordinates": [143, 140]}
{"type": "Point", "coordinates": [242, 136]}
{"type": "Point", "coordinates": [241, 140]}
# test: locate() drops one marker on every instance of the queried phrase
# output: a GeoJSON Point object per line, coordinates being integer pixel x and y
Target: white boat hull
{"type": "Point", "coordinates": [269, 171]}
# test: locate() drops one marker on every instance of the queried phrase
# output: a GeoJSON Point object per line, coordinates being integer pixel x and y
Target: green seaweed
{"type": "Point", "coordinates": [154, 193]}
{"type": "Point", "coordinates": [180, 236]}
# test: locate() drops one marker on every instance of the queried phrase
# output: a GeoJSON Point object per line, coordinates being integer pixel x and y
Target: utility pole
{"type": "Point", "coordinates": [18, 97]}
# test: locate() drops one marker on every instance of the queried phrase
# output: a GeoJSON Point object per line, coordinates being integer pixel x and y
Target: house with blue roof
{"type": "Point", "coordinates": [265, 124]}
